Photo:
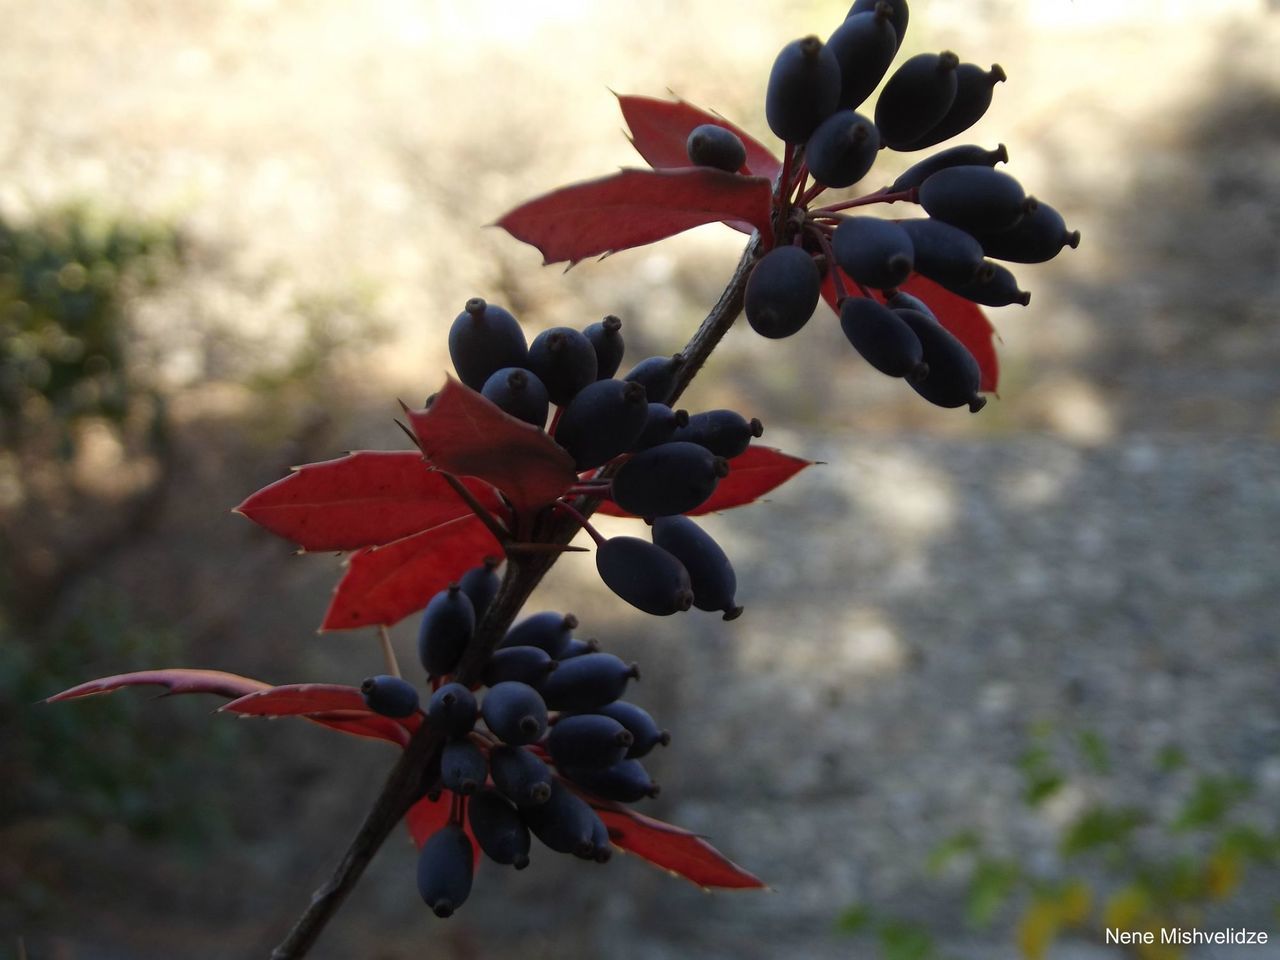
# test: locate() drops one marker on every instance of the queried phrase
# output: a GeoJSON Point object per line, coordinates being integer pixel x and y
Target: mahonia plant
{"type": "Point", "coordinates": [525, 732]}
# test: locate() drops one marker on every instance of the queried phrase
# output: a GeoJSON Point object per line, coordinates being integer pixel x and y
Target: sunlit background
{"type": "Point", "coordinates": [1002, 680]}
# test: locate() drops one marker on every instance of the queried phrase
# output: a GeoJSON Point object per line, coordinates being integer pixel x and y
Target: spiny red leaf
{"type": "Point", "coordinates": [660, 128]}
{"type": "Point", "coordinates": [752, 474]}
{"type": "Point", "coordinates": [635, 207]}
{"type": "Point", "coordinates": [465, 434]}
{"type": "Point", "coordinates": [332, 704]}
{"type": "Point", "coordinates": [683, 853]}
{"type": "Point", "coordinates": [963, 318]}
{"type": "Point", "coordinates": [175, 681]}
{"type": "Point", "coordinates": [360, 500]}
{"type": "Point", "coordinates": [385, 584]}
{"type": "Point", "coordinates": [427, 816]}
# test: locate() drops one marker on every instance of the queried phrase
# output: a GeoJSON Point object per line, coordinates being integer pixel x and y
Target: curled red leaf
{"type": "Point", "coordinates": [175, 680]}
{"type": "Point", "coordinates": [635, 207]}
{"type": "Point", "coordinates": [383, 585]}
{"type": "Point", "coordinates": [676, 850]}
{"type": "Point", "coordinates": [329, 703]}
{"type": "Point", "coordinates": [465, 434]}
{"type": "Point", "coordinates": [752, 474]}
{"type": "Point", "coordinates": [660, 128]}
{"type": "Point", "coordinates": [360, 500]}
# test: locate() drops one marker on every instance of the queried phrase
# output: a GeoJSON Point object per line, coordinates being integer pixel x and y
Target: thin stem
{"type": "Point", "coordinates": [811, 194]}
{"type": "Point", "coordinates": [783, 189]}
{"type": "Point", "coordinates": [388, 651]}
{"type": "Point", "coordinates": [837, 275]}
{"type": "Point", "coordinates": [801, 179]}
{"type": "Point", "coordinates": [500, 533]}
{"type": "Point", "coordinates": [880, 196]}
{"type": "Point", "coordinates": [572, 511]}
{"type": "Point", "coordinates": [409, 780]}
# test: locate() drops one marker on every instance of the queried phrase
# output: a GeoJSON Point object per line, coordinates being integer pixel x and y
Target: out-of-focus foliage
{"type": "Point", "coordinates": [1117, 866]}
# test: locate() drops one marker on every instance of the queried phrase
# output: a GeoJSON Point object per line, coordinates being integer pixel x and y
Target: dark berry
{"type": "Point", "coordinates": [804, 89]}
{"type": "Point", "coordinates": [390, 696]}
{"type": "Point", "coordinates": [445, 868]}
{"type": "Point", "coordinates": [549, 631]}
{"type": "Point", "coordinates": [974, 87]}
{"type": "Point", "coordinates": [674, 477]}
{"type": "Point", "coordinates": [601, 845]}
{"type": "Point", "coordinates": [1037, 237]}
{"type": "Point", "coordinates": [514, 712]}
{"type": "Point", "coordinates": [481, 585]}
{"type": "Point", "coordinates": [842, 149]}
{"type": "Point", "coordinates": [625, 782]}
{"type": "Point", "coordinates": [453, 710]}
{"type": "Point", "coordinates": [520, 776]}
{"type": "Point", "coordinates": [710, 573]}
{"type": "Point", "coordinates": [483, 339]}
{"type": "Point", "coordinates": [898, 13]}
{"type": "Point", "coordinates": [588, 682]}
{"type": "Point", "coordinates": [916, 98]}
{"type": "Point", "coordinates": [603, 421]}
{"type": "Point", "coordinates": [997, 288]}
{"type": "Point", "coordinates": [565, 823]}
{"type": "Point", "coordinates": [645, 576]}
{"type": "Point", "coordinates": [711, 145]}
{"type": "Point", "coordinates": [577, 648]}
{"type": "Point", "coordinates": [447, 626]}
{"type": "Point", "coordinates": [645, 734]}
{"type": "Point", "coordinates": [565, 361]}
{"type": "Point", "coordinates": [905, 301]}
{"type": "Point", "coordinates": [975, 199]}
{"type": "Point", "coordinates": [463, 767]}
{"type": "Point", "coordinates": [498, 829]}
{"type": "Point", "coordinates": [944, 253]}
{"type": "Point", "coordinates": [882, 338]}
{"type": "Point", "coordinates": [606, 338]}
{"type": "Point", "coordinates": [519, 393]}
{"type": "Point", "coordinates": [782, 292]}
{"type": "Point", "coordinates": [954, 376]}
{"type": "Point", "coordinates": [726, 433]}
{"type": "Point", "coordinates": [964, 155]}
{"type": "Point", "coordinates": [661, 424]}
{"type": "Point", "coordinates": [526, 664]}
{"type": "Point", "coordinates": [874, 252]}
{"type": "Point", "coordinates": [657, 375]}
{"type": "Point", "coordinates": [864, 46]}
{"type": "Point", "coordinates": [588, 740]}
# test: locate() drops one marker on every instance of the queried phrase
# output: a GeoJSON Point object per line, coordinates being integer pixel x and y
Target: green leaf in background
{"type": "Point", "coordinates": [1210, 801]}
{"type": "Point", "coordinates": [958, 844]}
{"type": "Point", "coordinates": [1100, 827]}
{"type": "Point", "coordinates": [855, 919]}
{"type": "Point", "coordinates": [993, 882]}
{"type": "Point", "coordinates": [904, 941]}
{"type": "Point", "coordinates": [1094, 750]}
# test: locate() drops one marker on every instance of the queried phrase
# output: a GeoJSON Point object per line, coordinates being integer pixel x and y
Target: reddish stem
{"type": "Point", "coordinates": [811, 194]}
{"type": "Point", "coordinates": [572, 511]}
{"type": "Point", "coordinates": [837, 275]}
{"type": "Point", "coordinates": [880, 196]}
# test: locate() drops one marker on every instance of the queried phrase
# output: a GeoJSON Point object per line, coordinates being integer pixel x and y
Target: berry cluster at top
{"type": "Point", "coordinates": [557, 741]}
{"type": "Point", "coordinates": [974, 211]}
{"type": "Point", "coordinates": [626, 442]}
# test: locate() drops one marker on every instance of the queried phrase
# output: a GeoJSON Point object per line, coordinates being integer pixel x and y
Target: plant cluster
{"type": "Point", "coordinates": [524, 730]}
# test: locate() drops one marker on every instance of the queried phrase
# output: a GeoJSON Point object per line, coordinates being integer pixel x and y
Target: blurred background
{"type": "Point", "coordinates": [1002, 680]}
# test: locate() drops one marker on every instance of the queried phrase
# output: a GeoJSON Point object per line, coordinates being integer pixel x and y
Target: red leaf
{"type": "Point", "coordinates": [962, 317]}
{"type": "Point", "coordinates": [360, 500]}
{"type": "Point", "coordinates": [427, 816]}
{"type": "Point", "coordinates": [384, 584]}
{"type": "Point", "coordinates": [659, 129]}
{"type": "Point", "coordinates": [332, 704]}
{"type": "Point", "coordinates": [175, 680]}
{"type": "Point", "coordinates": [465, 434]}
{"type": "Point", "coordinates": [679, 851]}
{"type": "Point", "coordinates": [635, 207]}
{"type": "Point", "coordinates": [752, 474]}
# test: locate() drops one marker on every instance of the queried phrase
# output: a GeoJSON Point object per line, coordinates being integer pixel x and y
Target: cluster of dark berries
{"type": "Point", "coordinates": [974, 211]}
{"type": "Point", "coordinates": [626, 441]}
{"type": "Point", "coordinates": [555, 739]}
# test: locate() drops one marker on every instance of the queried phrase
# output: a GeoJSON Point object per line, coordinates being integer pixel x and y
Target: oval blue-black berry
{"type": "Point", "coordinates": [390, 696]}
{"type": "Point", "coordinates": [447, 626]}
{"type": "Point", "coordinates": [485, 338]}
{"type": "Point", "coordinates": [782, 292]}
{"type": "Point", "coordinates": [842, 149]}
{"type": "Point", "coordinates": [882, 337]}
{"type": "Point", "coordinates": [916, 98]}
{"type": "Point", "coordinates": [975, 199]}
{"type": "Point", "coordinates": [498, 829]}
{"type": "Point", "coordinates": [519, 393]}
{"type": "Point", "coordinates": [995, 287]}
{"type": "Point", "coordinates": [645, 734]}
{"type": "Point", "coordinates": [943, 253]}
{"type": "Point", "coordinates": [453, 710]}
{"type": "Point", "coordinates": [515, 713]}
{"type": "Point", "coordinates": [954, 375]}
{"type": "Point", "coordinates": [481, 585]}
{"type": "Point", "coordinates": [564, 360]}
{"type": "Point", "coordinates": [625, 782]}
{"type": "Point", "coordinates": [463, 767]}
{"type": "Point", "coordinates": [864, 46]}
{"type": "Point", "coordinates": [661, 424]}
{"type": "Point", "coordinates": [604, 420]}
{"type": "Point", "coordinates": [445, 868]}
{"type": "Point", "coordinates": [588, 740]}
{"type": "Point", "coordinates": [645, 576]}
{"type": "Point", "coordinates": [963, 155]}
{"type": "Point", "coordinates": [804, 89]}
{"type": "Point", "coordinates": [874, 252]}
{"type": "Point", "coordinates": [526, 664]}
{"type": "Point", "coordinates": [588, 682]}
{"type": "Point", "coordinates": [671, 478]}
{"type": "Point", "coordinates": [710, 572]}
{"type": "Point", "coordinates": [549, 631]}
{"type": "Point", "coordinates": [726, 433]}
{"type": "Point", "coordinates": [974, 87]}
{"type": "Point", "coordinates": [565, 823]}
{"type": "Point", "coordinates": [1036, 238]}
{"type": "Point", "coordinates": [657, 375]}
{"type": "Point", "coordinates": [899, 15]}
{"type": "Point", "coordinates": [711, 145]}
{"type": "Point", "coordinates": [606, 338]}
{"type": "Point", "coordinates": [520, 776]}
